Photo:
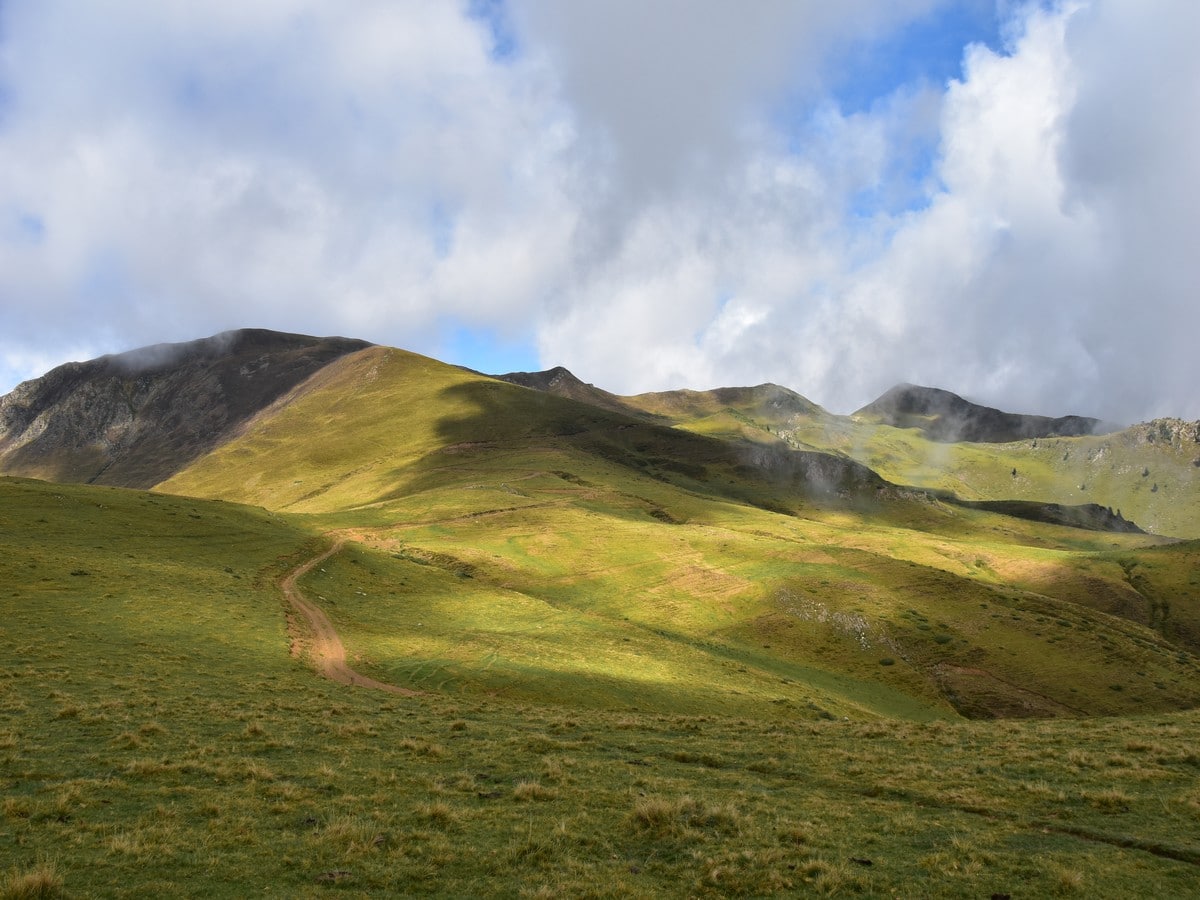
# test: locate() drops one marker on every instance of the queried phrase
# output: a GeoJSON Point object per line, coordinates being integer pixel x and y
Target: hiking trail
{"type": "Point", "coordinates": [324, 645]}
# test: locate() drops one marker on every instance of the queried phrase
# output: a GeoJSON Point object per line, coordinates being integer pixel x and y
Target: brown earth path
{"type": "Point", "coordinates": [325, 647]}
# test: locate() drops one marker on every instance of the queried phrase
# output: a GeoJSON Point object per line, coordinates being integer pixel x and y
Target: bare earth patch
{"type": "Point", "coordinates": [324, 645]}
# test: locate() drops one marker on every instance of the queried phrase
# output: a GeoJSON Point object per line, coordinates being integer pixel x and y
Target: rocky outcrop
{"type": "Point", "coordinates": [561, 383]}
{"type": "Point", "coordinates": [1175, 433]}
{"type": "Point", "coordinates": [134, 419]}
{"type": "Point", "coordinates": [1089, 516]}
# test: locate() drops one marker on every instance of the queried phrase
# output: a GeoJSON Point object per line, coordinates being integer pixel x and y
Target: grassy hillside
{"type": "Point", "coordinates": [1149, 472]}
{"type": "Point", "coordinates": [500, 530]}
{"type": "Point", "coordinates": [385, 424]}
{"type": "Point", "coordinates": [156, 737]}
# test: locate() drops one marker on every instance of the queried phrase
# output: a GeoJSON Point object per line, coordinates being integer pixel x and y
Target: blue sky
{"type": "Point", "coordinates": [927, 48]}
{"type": "Point", "coordinates": [979, 195]}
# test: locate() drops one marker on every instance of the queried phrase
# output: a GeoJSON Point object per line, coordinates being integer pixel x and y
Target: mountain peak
{"type": "Point", "coordinates": [557, 380]}
{"type": "Point", "coordinates": [133, 419]}
{"type": "Point", "coordinates": [562, 383]}
{"type": "Point", "coordinates": [948, 418]}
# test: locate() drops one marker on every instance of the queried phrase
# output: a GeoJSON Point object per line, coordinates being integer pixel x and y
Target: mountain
{"type": "Point", "coordinates": [1148, 474]}
{"type": "Point", "coordinates": [133, 419]}
{"type": "Point", "coordinates": [561, 383]}
{"type": "Point", "coordinates": [384, 416]}
{"type": "Point", "coordinates": [494, 530]}
{"type": "Point", "coordinates": [497, 609]}
{"type": "Point", "coordinates": [948, 418]}
{"type": "Point", "coordinates": [764, 403]}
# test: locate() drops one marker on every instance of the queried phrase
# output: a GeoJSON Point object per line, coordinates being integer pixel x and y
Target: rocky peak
{"type": "Point", "coordinates": [135, 418]}
{"type": "Point", "coordinates": [948, 418]}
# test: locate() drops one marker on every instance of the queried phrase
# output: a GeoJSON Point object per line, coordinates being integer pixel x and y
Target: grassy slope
{"type": "Point", "coordinates": [511, 529]}
{"type": "Point", "coordinates": [1147, 472]}
{"type": "Point", "coordinates": [157, 739]}
{"type": "Point", "coordinates": [1105, 469]}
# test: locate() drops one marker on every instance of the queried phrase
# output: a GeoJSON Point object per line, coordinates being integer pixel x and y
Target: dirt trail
{"type": "Point", "coordinates": [326, 648]}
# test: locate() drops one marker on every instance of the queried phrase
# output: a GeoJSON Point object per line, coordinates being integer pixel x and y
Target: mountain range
{"type": "Point", "coordinates": [137, 418]}
{"type": "Point", "coordinates": [352, 432]}
{"type": "Point", "coordinates": [284, 613]}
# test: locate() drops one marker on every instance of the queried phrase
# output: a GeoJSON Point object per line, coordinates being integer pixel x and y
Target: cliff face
{"type": "Point", "coordinates": [135, 418]}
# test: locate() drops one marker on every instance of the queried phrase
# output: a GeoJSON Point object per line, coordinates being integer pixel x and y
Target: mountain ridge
{"type": "Point", "coordinates": [135, 419]}
{"type": "Point", "coordinates": [946, 417]}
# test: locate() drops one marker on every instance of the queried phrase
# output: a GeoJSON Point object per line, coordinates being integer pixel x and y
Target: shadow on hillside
{"type": "Point", "coordinates": [505, 418]}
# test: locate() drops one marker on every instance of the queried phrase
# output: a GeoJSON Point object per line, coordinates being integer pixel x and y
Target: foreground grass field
{"type": "Point", "coordinates": [158, 738]}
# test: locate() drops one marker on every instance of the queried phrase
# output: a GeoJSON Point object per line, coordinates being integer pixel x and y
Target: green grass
{"type": "Point", "coordinates": [156, 738]}
{"type": "Point", "coordinates": [651, 664]}
{"type": "Point", "coordinates": [509, 528]}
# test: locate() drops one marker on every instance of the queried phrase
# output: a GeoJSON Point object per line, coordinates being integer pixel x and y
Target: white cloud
{"type": "Point", "coordinates": [362, 168]}
{"type": "Point", "coordinates": [665, 194]}
{"type": "Point", "coordinates": [1046, 270]}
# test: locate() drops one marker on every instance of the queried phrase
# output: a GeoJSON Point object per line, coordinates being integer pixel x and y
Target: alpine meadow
{"type": "Point", "coordinates": [294, 616]}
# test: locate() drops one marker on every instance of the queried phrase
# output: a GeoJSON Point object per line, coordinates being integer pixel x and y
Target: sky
{"type": "Point", "coordinates": [995, 197]}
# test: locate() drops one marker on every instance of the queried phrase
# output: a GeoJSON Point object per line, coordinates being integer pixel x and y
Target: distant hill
{"type": "Point", "coordinates": [134, 419]}
{"type": "Point", "coordinates": [765, 404]}
{"type": "Point", "coordinates": [561, 383]}
{"type": "Point", "coordinates": [948, 418]}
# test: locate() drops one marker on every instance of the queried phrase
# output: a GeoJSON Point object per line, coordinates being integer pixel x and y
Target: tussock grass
{"type": "Point", "coordinates": [665, 817]}
{"type": "Point", "coordinates": [438, 813]}
{"type": "Point", "coordinates": [533, 791]}
{"type": "Point", "coordinates": [41, 880]}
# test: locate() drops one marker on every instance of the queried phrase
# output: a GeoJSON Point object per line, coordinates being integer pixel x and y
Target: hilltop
{"type": "Point", "coordinates": [562, 383]}
{"type": "Point", "coordinates": [133, 419]}
{"type": "Point", "coordinates": [948, 418]}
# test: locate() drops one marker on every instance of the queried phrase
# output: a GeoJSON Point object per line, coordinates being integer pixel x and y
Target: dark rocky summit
{"type": "Point", "coordinates": [561, 383]}
{"type": "Point", "coordinates": [134, 419]}
{"type": "Point", "coordinates": [948, 418]}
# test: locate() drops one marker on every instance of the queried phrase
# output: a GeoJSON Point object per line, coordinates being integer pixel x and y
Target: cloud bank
{"type": "Point", "coordinates": [655, 195]}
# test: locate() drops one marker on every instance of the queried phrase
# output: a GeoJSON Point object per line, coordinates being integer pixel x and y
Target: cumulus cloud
{"type": "Point", "coordinates": [659, 195]}
{"type": "Point", "coordinates": [669, 87]}
{"type": "Point", "coordinates": [168, 170]}
{"type": "Point", "coordinates": [1042, 264]}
